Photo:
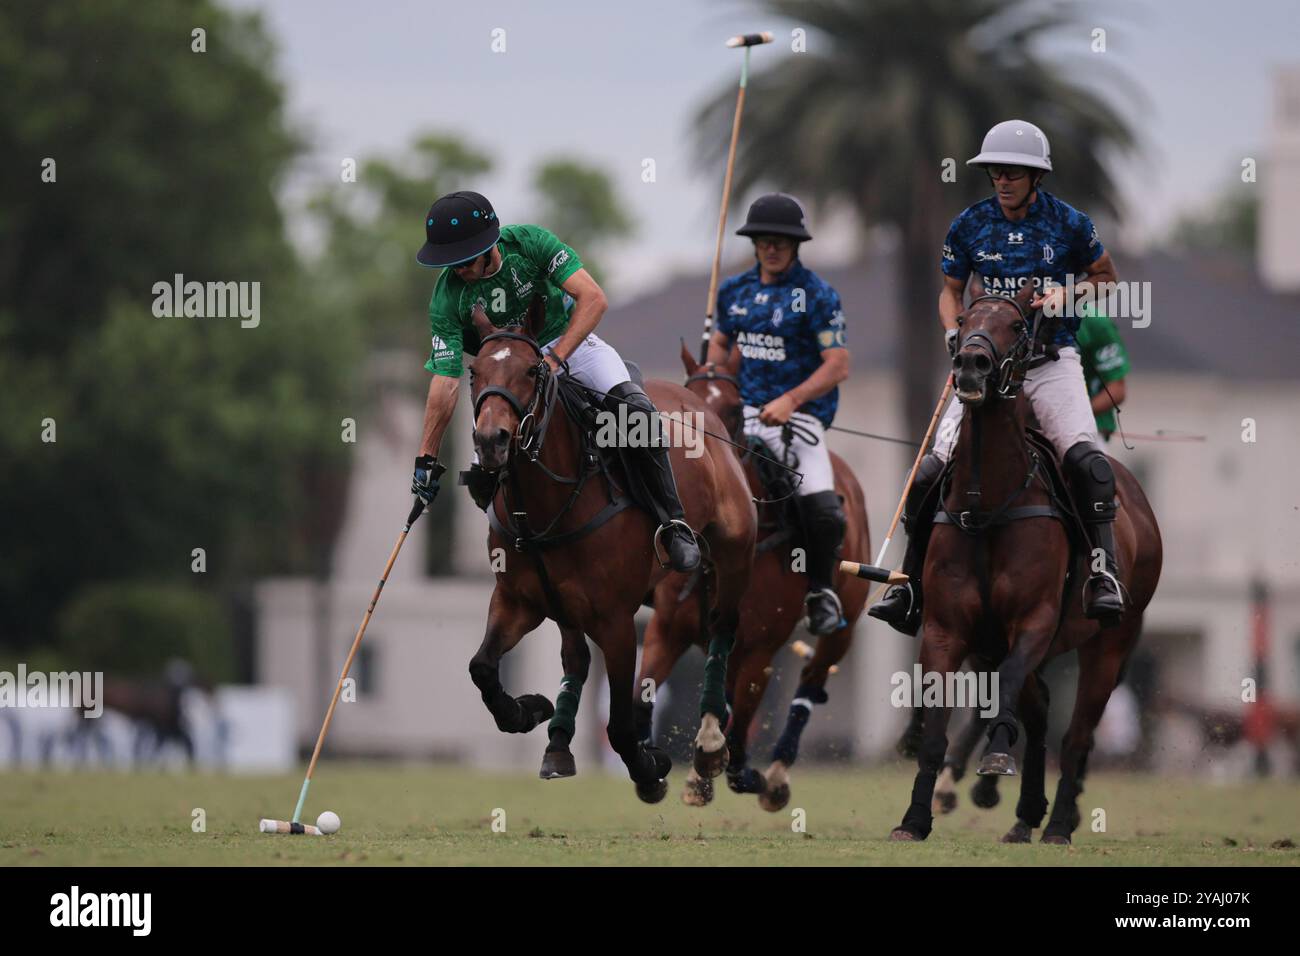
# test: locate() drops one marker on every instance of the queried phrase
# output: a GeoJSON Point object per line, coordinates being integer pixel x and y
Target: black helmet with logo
{"type": "Point", "coordinates": [775, 214]}
{"type": "Point", "coordinates": [459, 227]}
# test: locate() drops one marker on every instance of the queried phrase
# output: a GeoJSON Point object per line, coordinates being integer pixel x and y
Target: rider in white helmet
{"type": "Point", "coordinates": [1020, 235]}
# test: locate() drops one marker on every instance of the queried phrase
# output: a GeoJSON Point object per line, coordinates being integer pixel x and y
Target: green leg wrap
{"type": "Point", "coordinates": [566, 709]}
{"type": "Point", "coordinates": [713, 700]}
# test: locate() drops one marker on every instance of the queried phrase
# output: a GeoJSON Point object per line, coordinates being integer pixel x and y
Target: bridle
{"type": "Point", "coordinates": [531, 431]}
{"type": "Point", "coordinates": [710, 373]}
{"type": "Point", "coordinates": [1011, 367]}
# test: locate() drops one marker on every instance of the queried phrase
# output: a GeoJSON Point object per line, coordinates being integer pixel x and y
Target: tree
{"type": "Point", "coordinates": [580, 206]}
{"type": "Point", "coordinates": [173, 432]}
{"type": "Point", "coordinates": [888, 91]}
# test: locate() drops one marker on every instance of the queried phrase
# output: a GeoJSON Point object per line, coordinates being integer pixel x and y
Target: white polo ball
{"type": "Point", "coordinates": [328, 822]}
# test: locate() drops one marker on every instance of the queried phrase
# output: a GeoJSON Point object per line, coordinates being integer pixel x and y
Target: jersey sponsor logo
{"type": "Point", "coordinates": [827, 338]}
{"type": "Point", "coordinates": [1095, 238]}
{"type": "Point", "coordinates": [1109, 357]}
{"type": "Point", "coordinates": [947, 254]}
{"type": "Point", "coordinates": [760, 345]}
{"type": "Point", "coordinates": [837, 318]}
{"type": "Point", "coordinates": [1015, 238]}
{"type": "Point", "coordinates": [983, 256]}
{"type": "Point", "coordinates": [521, 288]}
{"type": "Point", "coordinates": [778, 315]}
{"type": "Point", "coordinates": [441, 350]}
{"type": "Point", "coordinates": [734, 309]}
{"type": "Point", "coordinates": [559, 259]}
{"type": "Point", "coordinates": [1048, 253]}
{"type": "Point", "coordinates": [761, 298]}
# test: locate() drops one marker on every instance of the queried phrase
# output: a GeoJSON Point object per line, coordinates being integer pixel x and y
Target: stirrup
{"type": "Point", "coordinates": [661, 553]}
{"type": "Point", "coordinates": [1104, 575]}
{"type": "Point", "coordinates": [835, 601]}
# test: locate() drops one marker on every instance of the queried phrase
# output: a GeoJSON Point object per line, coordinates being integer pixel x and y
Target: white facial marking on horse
{"type": "Point", "coordinates": [715, 393]}
{"type": "Point", "coordinates": [502, 355]}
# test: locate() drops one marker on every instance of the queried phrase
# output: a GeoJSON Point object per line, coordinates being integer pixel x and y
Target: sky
{"type": "Point", "coordinates": [615, 83]}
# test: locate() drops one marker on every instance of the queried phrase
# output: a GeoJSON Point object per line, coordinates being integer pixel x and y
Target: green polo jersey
{"type": "Point", "coordinates": [1104, 359]}
{"type": "Point", "coordinates": [532, 259]}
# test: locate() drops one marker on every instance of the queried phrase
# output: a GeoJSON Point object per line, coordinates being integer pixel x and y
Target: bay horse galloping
{"type": "Point", "coordinates": [581, 555]}
{"type": "Point", "coordinates": [771, 609]}
{"type": "Point", "coordinates": [1005, 583]}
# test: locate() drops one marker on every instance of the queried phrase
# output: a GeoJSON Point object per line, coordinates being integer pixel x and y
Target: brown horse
{"type": "Point", "coordinates": [769, 612]}
{"type": "Point", "coordinates": [578, 554]}
{"type": "Point", "coordinates": [998, 581]}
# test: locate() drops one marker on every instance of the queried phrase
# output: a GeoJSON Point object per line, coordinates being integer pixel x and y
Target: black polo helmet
{"type": "Point", "coordinates": [775, 214]}
{"type": "Point", "coordinates": [460, 226]}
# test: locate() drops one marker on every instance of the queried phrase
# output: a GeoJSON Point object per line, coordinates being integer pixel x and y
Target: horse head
{"type": "Point", "coordinates": [719, 389]}
{"type": "Point", "coordinates": [507, 384]}
{"type": "Point", "coordinates": [995, 334]}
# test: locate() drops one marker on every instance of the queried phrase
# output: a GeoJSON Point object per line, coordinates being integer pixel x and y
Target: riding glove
{"type": "Point", "coordinates": [425, 482]}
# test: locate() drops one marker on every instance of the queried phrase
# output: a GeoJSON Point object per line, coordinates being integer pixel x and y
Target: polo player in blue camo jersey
{"type": "Point", "coordinates": [1023, 234]}
{"type": "Point", "coordinates": [789, 326]}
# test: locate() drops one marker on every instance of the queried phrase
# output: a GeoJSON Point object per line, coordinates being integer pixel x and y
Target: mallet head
{"type": "Point", "coordinates": [284, 826]}
{"type": "Point", "coordinates": [750, 39]}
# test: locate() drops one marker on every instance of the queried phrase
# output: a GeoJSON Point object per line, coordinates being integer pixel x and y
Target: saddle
{"type": "Point", "coordinates": [1047, 470]}
{"type": "Point", "coordinates": [624, 486]}
{"type": "Point", "coordinates": [781, 523]}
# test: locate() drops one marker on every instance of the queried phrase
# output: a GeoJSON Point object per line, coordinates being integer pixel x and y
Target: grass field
{"type": "Point", "coordinates": [395, 815]}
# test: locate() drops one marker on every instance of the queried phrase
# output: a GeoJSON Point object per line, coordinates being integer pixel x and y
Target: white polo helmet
{"type": "Point", "coordinates": [1014, 143]}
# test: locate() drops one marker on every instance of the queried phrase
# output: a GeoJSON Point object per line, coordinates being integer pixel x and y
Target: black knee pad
{"type": "Point", "coordinates": [928, 470]}
{"type": "Point", "coordinates": [1089, 465]}
{"type": "Point", "coordinates": [630, 394]}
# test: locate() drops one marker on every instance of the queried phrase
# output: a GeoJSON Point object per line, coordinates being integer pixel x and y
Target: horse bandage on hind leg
{"type": "Point", "coordinates": [713, 699]}
{"type": "Point", "coordinates": [566, 708]}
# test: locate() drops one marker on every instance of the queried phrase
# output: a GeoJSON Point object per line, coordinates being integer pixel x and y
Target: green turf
{"type": "Point", "coordinates": [443, 815]}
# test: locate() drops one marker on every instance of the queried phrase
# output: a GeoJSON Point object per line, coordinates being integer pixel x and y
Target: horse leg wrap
{"type": "Point", "coordinates": [563, 725]}
{"type": "Point", "coordinates": [787, 747]}
{"type": "Point", "coordinates": [1003, 728]}
{"type": "Point", "coordinates": [713, 700]}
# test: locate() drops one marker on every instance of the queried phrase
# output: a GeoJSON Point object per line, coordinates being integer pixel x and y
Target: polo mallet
{"type": "Point", "coordinates": [747, 40]}
{"type": "Point", "coordinates": [294, 826]}
{"type": "Point", "coordinates": [876, 572]}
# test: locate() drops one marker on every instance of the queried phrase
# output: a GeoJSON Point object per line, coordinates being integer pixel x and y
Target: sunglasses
{"type": "Point", "coordinates": [1012, 174]}
{"type": "Point", "coordinates": [773, 242]}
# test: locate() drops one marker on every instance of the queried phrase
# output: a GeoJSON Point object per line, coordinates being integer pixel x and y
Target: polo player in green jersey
{"type": "Point", "coordinates": [1105, 368]}
{"type": "Point", "coordinates": [496, 270]}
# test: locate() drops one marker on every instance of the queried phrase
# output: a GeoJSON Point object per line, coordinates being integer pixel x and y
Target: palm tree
{"type": "Point", "coordinates": [890, 88]}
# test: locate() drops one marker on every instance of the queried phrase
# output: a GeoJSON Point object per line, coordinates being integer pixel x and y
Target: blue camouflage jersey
{"type": "Point", "coordinates": [1052, 241]}
{"type": "Point", "coordinates": [781, 330]}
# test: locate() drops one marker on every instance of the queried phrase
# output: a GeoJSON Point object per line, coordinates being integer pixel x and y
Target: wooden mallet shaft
{"type": "Point", "coordinates": [745, 40]}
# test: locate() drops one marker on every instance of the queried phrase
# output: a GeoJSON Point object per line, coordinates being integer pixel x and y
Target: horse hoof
{"type": "Point", "coordinates": [1055, 839]}
{"type": "Point", "coordinates": [534, 709]}
{"type": "Point", "coordinates": [904, 835]}
{"type": "Point", "coordinates": [698, 791]}
{"type": "Point", "coordinates": [711, 764]}
{"type": "Point", "coordinates": [1020, 833]}
{"type": "Point", "coordinates": [663, 763]}
{"type": "Point", "coordinates": [1002, 765]}
{"type": "Point", "coordinates": [945, 802]}
{"type": "Point", "coordinates": [556, 764]}
{"type": "Point", "coordinates": [652, 792]}
{"type": "Point", "coordinates": [985, 793]}
{"type": "Point", "coordinates": [774, 799]}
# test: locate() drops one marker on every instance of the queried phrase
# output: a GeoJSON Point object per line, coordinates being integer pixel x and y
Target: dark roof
{"type": "Point", "coordinates": [1208, 315]}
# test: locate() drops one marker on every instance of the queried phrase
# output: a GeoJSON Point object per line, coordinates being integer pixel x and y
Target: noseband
{"type": "Point", "coordinates": [530, 433]}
